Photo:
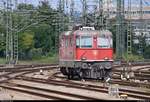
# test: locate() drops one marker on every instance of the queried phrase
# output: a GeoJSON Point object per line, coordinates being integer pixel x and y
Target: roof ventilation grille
{"type": "Point", "coordinates": [87, 28]}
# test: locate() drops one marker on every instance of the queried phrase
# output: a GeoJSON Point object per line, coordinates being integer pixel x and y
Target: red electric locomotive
{"type": "Point", "coordinates": [86, 53]}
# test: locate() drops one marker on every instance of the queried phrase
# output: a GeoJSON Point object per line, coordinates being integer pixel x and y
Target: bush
{"type": "Point", "coordinates": [51, 54]}
{"type": "Point", "coordinates": [36, 53]}
{"type": "Point", "coordinates": [147, 52]}
{"type": "Point", "coordinates": [132, 57]}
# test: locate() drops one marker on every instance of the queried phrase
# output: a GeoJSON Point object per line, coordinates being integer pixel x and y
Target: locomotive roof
{"type": "Point", "coordinates": [88, 32]}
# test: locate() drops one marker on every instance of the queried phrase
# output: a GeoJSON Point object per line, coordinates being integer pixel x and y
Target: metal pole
{"type": "Point", "coordinates": [129, 34]}
{"type": "Point", "coordinates": [141, 25]}
{"type": "Point", "coordinates": [84, 21]}
{"type": "Point", "coordinates": [120, 35]}
{"type": "Point", "coordinates": [101, 14]}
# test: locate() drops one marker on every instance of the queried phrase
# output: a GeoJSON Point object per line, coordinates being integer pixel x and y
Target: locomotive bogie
{"type": "Point", "coordinates": [94, 70]}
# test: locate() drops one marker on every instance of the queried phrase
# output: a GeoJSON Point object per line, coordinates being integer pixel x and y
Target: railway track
{"type": "Point", "coordinates": [144, 62]}
{"type": "Point", "coordinates": [10, 74]}
{"type": "Point", "coordinates": [43, 92]}
{"type": "Point", "coordinates": [137, 76]}
{"type": "Point", "coordinates": [130, 83]}
{"type": "Point", "coordinates": [117, 75]}
{"type": "Point", "coordinates": [114, 80]}
{"type": "Point", "coordinates": [27, 67]}
{"type": "Point", "coordinates": [16, 67]}
{"type": "Point", "coordinates": [133, 68]}
{"type": "Point", "coordinates": [30, 92]}
{"type": "Point", "coordinates": [140, 73]}
{"type": "Point", "coordinates": [19, 72]}
{"type": "Point", "coordinates": [130, 93]}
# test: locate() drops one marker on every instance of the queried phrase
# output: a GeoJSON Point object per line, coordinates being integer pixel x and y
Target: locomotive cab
{"type": "Point", "coordinates": [88, 55]}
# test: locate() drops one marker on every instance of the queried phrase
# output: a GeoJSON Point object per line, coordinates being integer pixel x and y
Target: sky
{"type": "Point", "coordinates": [78, 6]}
{"type": "Point", "coordinates": [35, 2]}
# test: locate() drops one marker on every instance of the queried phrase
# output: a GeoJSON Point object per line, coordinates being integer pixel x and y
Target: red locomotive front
{"type": "Point", "coordinates": [86, 53]}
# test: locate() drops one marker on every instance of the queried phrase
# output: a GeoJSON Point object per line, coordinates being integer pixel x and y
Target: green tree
{"type": "Point", "coordinates": [2, 40]}
{"type": "Point", "coordinates": [24, 6]}
{"type": "Point", "coordinates": [37, 29]}
{"type": "Point", "coordinates": [147, 52]}
{"type": "Point", "coordinates": [26, 43]}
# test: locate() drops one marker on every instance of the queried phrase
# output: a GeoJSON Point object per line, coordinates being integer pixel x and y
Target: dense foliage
{"type": "Point", "coordinates": [37, 30]}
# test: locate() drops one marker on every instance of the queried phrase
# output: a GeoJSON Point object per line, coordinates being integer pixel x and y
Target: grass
{"type": "Point", "coordinates": [2, 61]}
{"type": "Point", "coordinates": [131, 57]}
{"type": "Point", "coordinates": [42, 60]}
{"type": "Point", "coordinates": [54, 59]}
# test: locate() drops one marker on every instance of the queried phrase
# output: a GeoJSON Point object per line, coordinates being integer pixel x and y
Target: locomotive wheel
{"type": "Point", "coordinates": [72, 76]}
{"type": "Point", "coordinates": [70, 73]}
{"type": "Point", "coordinates": [63, 71]}
{"type": "Point", "coordinates": [108, 74]}
{"type": "Point", "coordinates": [69, 77]}
{"type": "Point", "coordinates": [80, 75]}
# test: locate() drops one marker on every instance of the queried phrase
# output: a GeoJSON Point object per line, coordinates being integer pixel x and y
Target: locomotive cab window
{"type": "Point", "coordinates": [62, 42]}
{"type": "Point", "coordinates": [104, 42]}
{"type": "Point", "coordinates": [71, 42]}
{"type": "Point", "coordinates": [78, 41]}
{"type": "Point", "coordinates": [84, 41]}
{"type": "Point", "coordinates": [67, 42]}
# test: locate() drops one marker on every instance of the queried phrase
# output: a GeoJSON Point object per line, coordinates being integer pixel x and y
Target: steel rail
{"type": "Point", "coordinates": [27, 67]}
{"type": "Point", "coordinates": [131, 93]}
{"type": "Point", "coordinates": [31, 93]}
{"type": "Point", "coordinates": [8, 76]}
{"type": "Point", "coordinates": [53, 92]}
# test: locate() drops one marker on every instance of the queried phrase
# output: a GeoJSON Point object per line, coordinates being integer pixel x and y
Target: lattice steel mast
{"type": "Point", "coordinates": [15, 37]}
{"type": "Point", "coordinates": [72, 4]}
{"type": "Point", "coordinates": [142, 28]}
{"type": "Point", "coordinates": [2, 21]}
{"type": "Point", "coordinates": [129, 32]}
{"type": "Point", "coordinates": [59, 24]}
{"type": "Point", "coordinates": [108, 13]}
{"type": "Point", "coordinates": [9, 33]}
{"type": "Point", "coordinates": [101, 19]}
{"type": "Point", "coordinates": [120, 35]}
{"type": "Point", "coordinates": [61, 14]}
{"type": "Point", "coordinates": [90, 17]}
{"type": "Point", "coordinates": [84, 12]}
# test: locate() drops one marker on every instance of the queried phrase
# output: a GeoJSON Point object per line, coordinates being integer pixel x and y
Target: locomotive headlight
{"type": "Point", "coordinates": [106, 58]}
{"type": "Point", "coordinates": [83, 58]}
